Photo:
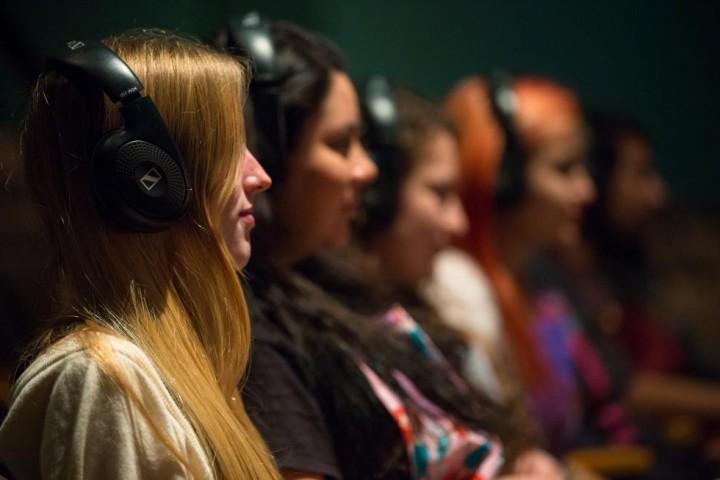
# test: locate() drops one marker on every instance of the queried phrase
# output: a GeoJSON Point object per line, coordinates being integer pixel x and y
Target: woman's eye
{"type": "Point", "coordinates": [570, 165]}
{"type": "Point", "coordinates": [340, 145]}
{"type": "Point", "coordinates": [442, 191]}
{"type": "Point", "coordinates": [565, 167]}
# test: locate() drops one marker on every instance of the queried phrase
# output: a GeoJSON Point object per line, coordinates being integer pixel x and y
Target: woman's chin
{"type": "Point", "coordinates": [569, 236]}
{"type": "Point", "coordinates": [241, 254]}
{"type": "Point", "coordinates": [340, 239]}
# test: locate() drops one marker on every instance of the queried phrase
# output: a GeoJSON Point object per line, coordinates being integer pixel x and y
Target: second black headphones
{"type": "Point", "coordinates": [136, 171]}
{"type": "Point", "coordinates": [510, 186]}
{"type": "Point", "coordinates": [381, 117]}
{"type": "Point", "coordinates": [252, 35]}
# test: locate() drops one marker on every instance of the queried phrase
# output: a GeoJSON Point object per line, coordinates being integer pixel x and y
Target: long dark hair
{"type": "Point", "coordinates": [418, 119]}
{"type": "Point", "coordinates": [622, 256]}
{"type": "Point", "coordinates": [608, 132]}
{"type": "Point", "coordinates": [310, 301]}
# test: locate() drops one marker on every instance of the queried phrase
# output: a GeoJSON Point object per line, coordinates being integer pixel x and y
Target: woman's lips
{"type": "Point", "coordinates": [247, 217]}
{"type": "Point", "coordinates": [353, 205]}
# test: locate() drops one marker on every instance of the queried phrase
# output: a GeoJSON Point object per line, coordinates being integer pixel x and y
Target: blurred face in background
{"type": "Point", "coordinates": [429, 216]}
{"type": "Point", "coordinates": [558, 188]}
{"type": "Point", "coordinates": [327, 172]}
{"type": "Point", "coordinates": [636, 192]}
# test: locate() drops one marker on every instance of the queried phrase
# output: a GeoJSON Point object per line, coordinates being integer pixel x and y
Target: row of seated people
{"type": "Point", "coordinates": [406, 310]}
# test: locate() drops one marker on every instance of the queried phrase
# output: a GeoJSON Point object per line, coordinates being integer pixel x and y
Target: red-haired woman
{"type": "Point", "coordinates": [525, 186]}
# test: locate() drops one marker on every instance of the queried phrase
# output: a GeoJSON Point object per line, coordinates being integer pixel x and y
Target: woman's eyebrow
{"type": "Point", "coordinates": [352, 128]}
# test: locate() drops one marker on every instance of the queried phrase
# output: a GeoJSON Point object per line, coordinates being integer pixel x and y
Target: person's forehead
{"type": "Point", "coordinates": [439, 156]}
{"type": "Point", "coordinates": [562, 143]}
{"type": "Point", "coordinates": [340, 107]}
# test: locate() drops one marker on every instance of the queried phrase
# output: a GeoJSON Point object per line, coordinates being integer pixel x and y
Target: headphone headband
{"type": "Point", "coordinates": [102, 65]}
{"type": "Point", "coordinates": [511, 171]}
{"type": "Point", "coordinates": [137, 173]}
{"type": "Point", "coordinates": [381, 117]}
{"type": "Point", "coordinates": [252, 34]}
{"type": "Point", "coordinates": [503, 100]}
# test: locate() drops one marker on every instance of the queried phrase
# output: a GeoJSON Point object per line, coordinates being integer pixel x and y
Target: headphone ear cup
{"type": "Point", "coordinates": [380, 199]}
{"type": "Point", "coordinates": [380, 114]}
{"type": "Point", "coordinates": [137, 184]}
{"type": "Point", "coordinates": [510, 183]}
{"type": "Point", "coordinates": [510, 186]}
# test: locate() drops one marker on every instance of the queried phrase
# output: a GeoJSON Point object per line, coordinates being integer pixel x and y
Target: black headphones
{"type": "Point", "coordinates": [511, 174]}
{"type": "Point", "coordinates": [136, 171]}
{"type": "Point", "coordinates": [380, 115]}
{"type": "Point", "coordinates": [252, 35]}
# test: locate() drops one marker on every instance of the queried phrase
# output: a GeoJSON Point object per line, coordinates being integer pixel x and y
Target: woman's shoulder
{"type": "Point", "coordinates": [463, 295]}
{"type": "Point", "coordinates": [71, 357]}
{"type": "Point", "coordinates": [76, 398]}
{"type": "Point", "coordinates": [453, 267]}
{"type": "Point", "coordinates": [88, 367]}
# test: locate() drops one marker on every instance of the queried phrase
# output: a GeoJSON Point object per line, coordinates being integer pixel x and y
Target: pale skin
{"type": "Point", "coordinates": [237, 217]}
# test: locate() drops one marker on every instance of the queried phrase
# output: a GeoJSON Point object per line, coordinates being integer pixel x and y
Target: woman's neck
{"type": "Point", "coordinates": [285, 259]}
{"type": "Point", "coordinates": [513, 245]}
{"type": "Point", "coordinates": [289, 253]}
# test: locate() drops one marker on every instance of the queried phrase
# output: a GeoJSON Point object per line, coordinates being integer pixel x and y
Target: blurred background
{"type": "Point", "coordinates": [656, 61]}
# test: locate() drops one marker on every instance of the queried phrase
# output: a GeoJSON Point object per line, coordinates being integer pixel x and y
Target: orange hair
{"type": "Point", "coordinates": [543, 107]}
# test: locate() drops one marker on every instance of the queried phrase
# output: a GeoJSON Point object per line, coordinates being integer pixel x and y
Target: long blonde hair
{"type": "Point", "coordinates": [174, 294]}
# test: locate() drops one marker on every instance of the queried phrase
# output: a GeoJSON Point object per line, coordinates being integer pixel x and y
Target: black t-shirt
{"type": "Point", "coordinates": [311, 421]}
{"type": "Point", "coordinates": [283, 407]}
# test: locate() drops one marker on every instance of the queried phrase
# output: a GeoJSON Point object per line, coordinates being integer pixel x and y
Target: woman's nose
{"type": "Point", "coordinates": [364, 171]}
{"type": "Point", "coordinates": [457, 221]}
{"type": "Point", "coordinates": [659, 193]}
{"type": "Point", "coordinates": [585, 188]}
{"type": "Point", "coordinates": [255, 178]}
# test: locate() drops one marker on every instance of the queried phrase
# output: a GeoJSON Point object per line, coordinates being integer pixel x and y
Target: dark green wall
{"type": "Point", "coordinates": [655, 60]}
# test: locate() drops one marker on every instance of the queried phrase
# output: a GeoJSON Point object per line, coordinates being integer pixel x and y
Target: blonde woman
{"type": "Point", "coordinates": [137, 374]}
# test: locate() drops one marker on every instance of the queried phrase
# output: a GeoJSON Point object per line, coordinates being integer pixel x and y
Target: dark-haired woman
{"type": "Point", "coordinates": [412, 214]}
{"type": "Point", "coordinates": [335, 391]}
{"type": "Point", "coordinates": [611, 276]}
{"type": "Point", "coordinates": [631, 195]}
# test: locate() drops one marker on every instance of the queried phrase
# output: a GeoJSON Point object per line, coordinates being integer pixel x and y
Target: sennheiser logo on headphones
{"type": "Point", "coordinates": [75, 44]}
{"type": "Point", "coordinates": [132, 91]}
{"type": "Point", "coordinates": [150, 179]}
